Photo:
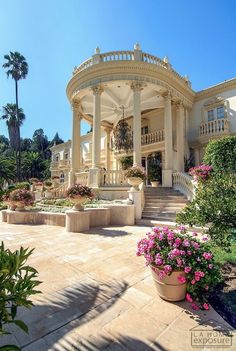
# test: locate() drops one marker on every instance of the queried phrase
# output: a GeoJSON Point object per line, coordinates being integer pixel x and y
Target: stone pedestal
{"type": "Point", "coordinates": [167, 178]}
{"type": "Point", "coordinates": [136, 197]}
{"type": "Point", "coordinates": [77, 221]}
{"type": "Point", "coordinates": [38, 194]}
{"type": "Point", "coordinates": [100, 217]}
{"type": "Point", "coordinates": [4, 215]}
{"type": "Point", "coordinates": [94, 177]}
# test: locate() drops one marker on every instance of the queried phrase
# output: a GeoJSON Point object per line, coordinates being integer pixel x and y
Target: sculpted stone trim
{"type": "Point", "coordinates": [215, 90]}
{"type": "Point", "coordinates": [134, 71]}
{"type": "Point", "coordinates": [97, 89]}
{"type": "Point", "coordinates": [136, 85]}
{"type": "Point", "coordinates": [75, 103]}
{"type": "Point", "coordinates": [167, 95]}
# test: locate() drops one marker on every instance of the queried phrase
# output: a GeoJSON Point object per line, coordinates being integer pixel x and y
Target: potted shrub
{"type": "Point", "coordinates": [154, 176]}
{"type": "Point", "coordinates": [78, 194]}
{"type": "Point", "coordinates": [48, 185]}
{"type": "Point", "coordinates": [21, 198]}
{"type": "Point", "coordinates": [182, 266]}
{"type": "Point", "coordinates": [18, 282]}
{"type": "Point", "coordinates": [135, 176]}
{"type": "Point", "coordinates": [38, 186]}
{"type": "Point", "coordinates": [6, 199]}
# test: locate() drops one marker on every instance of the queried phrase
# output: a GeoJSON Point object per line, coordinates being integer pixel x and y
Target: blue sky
{"type": "Point", "coordinates": [55, 35]}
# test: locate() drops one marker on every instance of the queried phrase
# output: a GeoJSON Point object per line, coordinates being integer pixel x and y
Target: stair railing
{"type": "Point", "coordinates": [184, 183]}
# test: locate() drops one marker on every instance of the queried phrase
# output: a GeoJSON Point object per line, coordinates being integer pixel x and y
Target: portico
{"type": "Point", "coordinates": [155, 100]}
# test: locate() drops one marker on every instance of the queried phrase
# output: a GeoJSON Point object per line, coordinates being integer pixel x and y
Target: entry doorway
{"type": "Point", "coordinates": [154, 167]}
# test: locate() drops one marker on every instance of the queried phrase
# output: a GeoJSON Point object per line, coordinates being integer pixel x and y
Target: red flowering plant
{"type": "Point", "coordinates": [176, 250]}
{"type": "Point", "coordinates": [135, 171]}
{"type": "Point", "coordinates": [201, 172]}
{"type": "Point", "coordinates": [22, 195]}
{"type": "Point", "coordinates": [79, 190]}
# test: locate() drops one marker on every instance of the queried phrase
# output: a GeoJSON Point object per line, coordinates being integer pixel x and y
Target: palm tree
{"type": "Point", "coordinates": [32, 164]}
{"type": "Point", "coordinates": [7, 169]}
{"type": "Point", "coordinates": [17, 68]}
{"type": "Point", "coordinates": [13, 121]}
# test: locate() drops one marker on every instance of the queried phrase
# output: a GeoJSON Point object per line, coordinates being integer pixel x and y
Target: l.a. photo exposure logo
{"type": "Point", "coordinates": [211, 334]}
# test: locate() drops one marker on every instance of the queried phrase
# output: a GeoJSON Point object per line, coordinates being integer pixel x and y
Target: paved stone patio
{"type": "Point", "coordinates": [97, 295]}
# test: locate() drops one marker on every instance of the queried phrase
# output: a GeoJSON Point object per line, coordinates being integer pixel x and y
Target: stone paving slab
{"type": "Point", "coordinates": [97, 295]}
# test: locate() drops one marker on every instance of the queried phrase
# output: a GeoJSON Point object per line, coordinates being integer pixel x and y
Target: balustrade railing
{"type": "Point", "coordinates": [113, 178]}
{"type": "Point", "coordinates": [127, 55]}
{"type": "Point", "coordinates": [64, 163]}
{"type": "Point", "coordinates": [60, 192]}
{"type": "Point", "coordinates": [218, 126]}
{"type": "Point", "coordinates": [82, 178]}
{"type": "Point", "coordinates": [153, 137]}
{"type": "Point", "coordinates": [184, 183]}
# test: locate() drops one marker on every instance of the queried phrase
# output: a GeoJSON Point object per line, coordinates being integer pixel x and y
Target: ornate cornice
{"type": "Point", "coordinates": [75, 104]}
{"type": "Point", "coordinates": [216, 89]}
{"type": "Point", "coordinates": [136, 85]}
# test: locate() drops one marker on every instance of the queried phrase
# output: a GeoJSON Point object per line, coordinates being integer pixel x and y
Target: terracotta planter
{"type": "Point", "coordinates": [169, 288]}
{"type": "Point", "coordinates": [155, 184]}
{"type": "Point", "coordinates": [11, 205]}
{"type": "Point", "coordinates": [78, 203]}
{"type": "Point", "coordinates": [135, 182]}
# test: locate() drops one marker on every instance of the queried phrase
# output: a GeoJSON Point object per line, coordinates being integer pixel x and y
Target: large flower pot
{"type": "Point", "coordinates": [78, 203]}
{"type": "Point", "coordinates": [20, 206]}
{"type": "Point", "coordinates": [135, 182]}
{"type": "Point", "coordinates": [155, 184]}
{"type": "Point", "coordinates": [169, 287]}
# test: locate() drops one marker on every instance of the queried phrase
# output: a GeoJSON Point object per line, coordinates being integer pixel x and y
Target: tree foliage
{"type": "Point", "coordinates": [221, 154]}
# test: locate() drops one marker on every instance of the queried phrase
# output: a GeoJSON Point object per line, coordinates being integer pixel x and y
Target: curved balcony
{"type": "Point", "coordinates": [127, 55]}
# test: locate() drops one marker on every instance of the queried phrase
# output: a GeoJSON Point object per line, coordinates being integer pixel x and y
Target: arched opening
{"type": "Point", "coordinates": [154, 167]}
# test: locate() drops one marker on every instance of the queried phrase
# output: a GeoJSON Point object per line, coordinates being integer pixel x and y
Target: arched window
{"type": "Point", "coordinates": [62, 177]}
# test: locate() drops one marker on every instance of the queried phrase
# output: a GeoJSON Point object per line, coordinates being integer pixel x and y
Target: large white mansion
{"type": "Point", "coordinates": [168, 118]}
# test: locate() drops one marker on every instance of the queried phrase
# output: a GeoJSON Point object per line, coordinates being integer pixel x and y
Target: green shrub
{"type": "Point", "coordinates": [215, 206]}
{"type": "Point", "coordinates": [221, 154]}
{"type": "Point", "coordinates": [126, 162]}
{"type": "Point", "coordinates": [17, 283]}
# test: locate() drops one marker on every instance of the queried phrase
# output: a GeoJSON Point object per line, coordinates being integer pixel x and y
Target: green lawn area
{"type": "Point", "coordinates": [222, 257]}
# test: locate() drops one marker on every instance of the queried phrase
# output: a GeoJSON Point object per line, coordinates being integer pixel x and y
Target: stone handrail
{"type": "Point", "coordinates": [153, 137]}
{"type": "Point", "coordinates": [113, 178]}
{"type": "Point", "coordinates": [127, 55]}
{"type": "Point", "coordinates": [64, 163]}
{"type": "Point", "coordinates": [60, 192]}
{"type": "Point", "coordinates": [117, 56]}
{"type": "Point", "coordinates": [82, 178]}
{"type": "Point", "coordinates": [218, 126]}
{"type": "Point", "coordinates": [184, 183]}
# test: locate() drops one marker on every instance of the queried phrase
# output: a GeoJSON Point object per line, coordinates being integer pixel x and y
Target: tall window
{"type": "Point", "coordinates": [210, 115]}
{"type": "Point", "coordinates": [220, 112]}
{"type": "Point", "coordinates": [62, 177]}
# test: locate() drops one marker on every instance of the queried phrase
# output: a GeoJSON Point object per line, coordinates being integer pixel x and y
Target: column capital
{"type": "Point", "coordinates": [136, 86]}
{"type": "Point", "coordinates": [97, 89]}
{"type": "Point", "coordinates": [75, 103]}
{"type": "Point", "coordinates": [179, 105]}
{"type": "Point", "coordinates": [167, 95]}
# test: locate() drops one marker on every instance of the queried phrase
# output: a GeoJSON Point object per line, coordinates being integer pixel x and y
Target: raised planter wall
{"type": "Point", "coordinates": [112, 215]}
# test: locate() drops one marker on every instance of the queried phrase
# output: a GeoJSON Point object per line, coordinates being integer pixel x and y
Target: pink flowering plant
{"type": "Point", "coordinates": [201, 172]}
{"type": "Point", "coordinates": [79, 190]}
{"type": "Point", "coordinates": [22, 195]}
{"type": "Point", "coordinates": [135, 171]}
{"type": "Point", "coordinates": [176, 250]}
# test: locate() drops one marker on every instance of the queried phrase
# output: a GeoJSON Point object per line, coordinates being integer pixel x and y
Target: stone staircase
{"type": "Point", "coordinates": [162, 204]}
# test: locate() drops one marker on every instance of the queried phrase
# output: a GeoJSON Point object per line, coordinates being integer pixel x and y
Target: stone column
{"type": "Point", "coordinates": [108, 152]}
{"type": "Point", "coordinates": [180, 137]}
{"type": "Point", "coordinates": [94, 172]}
{"type": "Point", "coordinates": [75, 144]}
{"type": "Point", "coordinates": [96, 146]}
{"type": "Point", "coordinates": [168, 164]}
{"type": "Point", "coordinates": [137, 87]}
{"type": "Point", "coordinates": [187, 152]}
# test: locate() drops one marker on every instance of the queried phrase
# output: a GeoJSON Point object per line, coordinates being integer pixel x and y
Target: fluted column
{"type": "Point", "coordinates": [75, 144]}
{"type": "Point", "coordinates": [180, 137]}
{"type": "Point", "coordinates": [137, 87]}
{"type": "Point", "coordinates": [108, 152]}
{"type": "Point", "coordinates": [167, 160]}
{"type": "Point", "coordinates": [96, 146]}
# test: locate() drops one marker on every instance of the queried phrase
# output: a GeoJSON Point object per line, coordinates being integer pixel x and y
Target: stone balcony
{"type": "Point", "coordinates": [214, 129]}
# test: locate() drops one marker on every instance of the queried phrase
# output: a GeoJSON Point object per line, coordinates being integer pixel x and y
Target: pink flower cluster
{"type": "Point", "coordinates": [201, 172]}
{"type": "Point", "coordinates": [167, 250]}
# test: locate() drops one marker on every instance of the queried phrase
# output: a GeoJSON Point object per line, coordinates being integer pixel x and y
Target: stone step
{"type": "Point", "coordinates": [165, 198]}
{"type": "Point", "coordinates": [162, 208]}
{"type": "Point", "coordinates": [165, 223]}
{"type": "Point", "coordinates": [156, 214]}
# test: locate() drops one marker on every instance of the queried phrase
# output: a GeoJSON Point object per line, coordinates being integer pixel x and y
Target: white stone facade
{"type": "Point", "coordinates": [166, 116]}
